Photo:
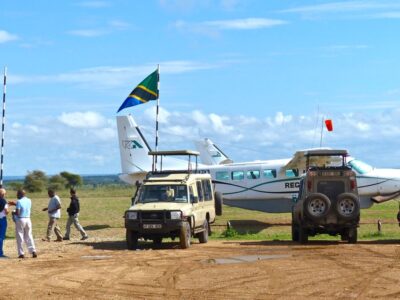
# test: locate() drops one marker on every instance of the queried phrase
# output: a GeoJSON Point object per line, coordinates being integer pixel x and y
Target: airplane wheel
{"type": "Point", "coordinates": [347, 206]}
{"type": "Point", "coordinates": [218, 203]}
{"type": "Point", "coordinates": [317, 206]}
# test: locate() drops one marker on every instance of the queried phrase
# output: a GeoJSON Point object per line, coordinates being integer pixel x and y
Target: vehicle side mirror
{"type": "Point", "coordinates": [194, 199]}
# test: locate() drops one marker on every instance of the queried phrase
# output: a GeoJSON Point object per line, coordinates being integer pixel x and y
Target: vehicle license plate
{"type": "Point", "coordinates": [151, 226]}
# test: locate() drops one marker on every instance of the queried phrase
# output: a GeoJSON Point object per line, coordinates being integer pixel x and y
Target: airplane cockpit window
{"type": "Point", "coordinates": [237, 175]}
{"type": "Point", "coordinates": [360, 166]}
{"type": "Point", "coordinates": [253, 174]}
{"type": "Point", "coordinates": [222, 175]}
{"type": "Point", "coordinates": [269, 173]}
{"type": "Point", "coordinates": [292, 173]}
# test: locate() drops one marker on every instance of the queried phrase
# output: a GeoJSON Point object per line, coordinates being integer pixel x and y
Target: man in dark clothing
{"type": "Point", "coordinates": [73, 214]}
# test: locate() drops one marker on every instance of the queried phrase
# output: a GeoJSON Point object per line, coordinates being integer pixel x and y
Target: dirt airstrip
{"type": "Point", "coordinates": [103, 269]}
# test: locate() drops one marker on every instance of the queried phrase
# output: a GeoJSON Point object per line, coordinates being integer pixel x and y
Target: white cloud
{"type": "Point", "coordinates": [87, 119]}
{"type": "Point", "coordinates": [344, 6]}
{"type": "Point", "coordinates": [88, 32]}
{"type": "Point", "coordinates": [213, 28]}
{"type": "Point", "coordinates": [217, 123]}
{"type": "Point", "coordinates": [110, 77]}
{"type": "Point", "coordinates": [7, 37]}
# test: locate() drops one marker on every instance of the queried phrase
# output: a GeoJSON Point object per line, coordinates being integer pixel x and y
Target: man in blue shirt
{"type": "Point", "coordinates": [23, 225]}
{"type": "Point", "coordinates": [3, 219]}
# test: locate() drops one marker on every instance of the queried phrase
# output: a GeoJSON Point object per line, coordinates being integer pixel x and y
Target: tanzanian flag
{"type": "Point", "coordinates": [146, 90]}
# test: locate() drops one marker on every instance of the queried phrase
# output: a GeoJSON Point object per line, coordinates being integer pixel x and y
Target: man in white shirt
{"type": "Point", "coordinates": [3, 219]}
{"type": "Point", "coordinates": [54, 211]}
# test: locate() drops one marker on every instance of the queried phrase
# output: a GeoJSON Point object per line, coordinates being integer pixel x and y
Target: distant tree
{"type": "Point", "coordinates": [35, 181]}
{"type": "Point", "coordinates": [57, 182]}
{"type": "Point", "coordinates": [15, 185]}
{"type": "Point", "coordinates": [72, 179]}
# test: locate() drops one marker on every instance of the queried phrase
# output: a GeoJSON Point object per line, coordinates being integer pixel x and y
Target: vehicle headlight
{"type": "Point", "coordinates": [176, 215]}
{"type": "Point", "coordinates": [132, 215]}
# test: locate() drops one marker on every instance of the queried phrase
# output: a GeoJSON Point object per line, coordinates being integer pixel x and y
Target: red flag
{"type": "Point", "coordinates": [329, 125]}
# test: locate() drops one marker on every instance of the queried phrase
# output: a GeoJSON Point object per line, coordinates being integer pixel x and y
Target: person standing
{"type": "Point", "coordinates": [73, 214]}
{"type": "Point", "coordinates": [23, 224]}
{"type": "Point", "coordinates": [3, 219]}
{"type": "Point", "coordinates": [54, 211]}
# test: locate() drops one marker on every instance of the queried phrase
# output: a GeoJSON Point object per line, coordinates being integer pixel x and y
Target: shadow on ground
{"type": "Point", "coordinates": [96, 227]}
{"type": "Point", "coordinates": [121, 245]}
{"type": "Point", "coordinates": [310, 243]}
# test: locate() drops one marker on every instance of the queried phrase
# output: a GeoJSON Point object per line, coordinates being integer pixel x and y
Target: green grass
{"type": "Point", "coordinates": [102, 212]}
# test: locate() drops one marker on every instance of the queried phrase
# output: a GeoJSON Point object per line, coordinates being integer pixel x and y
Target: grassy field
{"type": "Point", "coordinates": [102, 212]}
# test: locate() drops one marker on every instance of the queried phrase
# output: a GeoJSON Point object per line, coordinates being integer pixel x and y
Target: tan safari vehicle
{"type": "Point", "coordinates": [172, 204]}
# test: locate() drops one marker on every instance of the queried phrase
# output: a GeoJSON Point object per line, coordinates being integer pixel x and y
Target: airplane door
{"type": "Point", "coordinates": [253, 180]}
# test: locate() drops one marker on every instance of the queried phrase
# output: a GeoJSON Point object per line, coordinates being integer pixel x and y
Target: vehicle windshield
{"type": "Point", "coordinates": [163, 193]}
{"type": "Point", "coordinates": [360, 167]}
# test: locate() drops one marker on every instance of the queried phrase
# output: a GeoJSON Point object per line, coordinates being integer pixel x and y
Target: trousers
{"type": "Point", "coordinates": [23, 232]}
{"type": "Point", "coordinates": [3, 229]}
{"type": "Point", "coordinates": [74, 220]}
{"type": "Point", "coordinates": [53, 226]}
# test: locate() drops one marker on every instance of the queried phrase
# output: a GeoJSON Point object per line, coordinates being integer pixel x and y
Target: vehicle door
{"type": "Point", "coordinates": [199, 208]}
{"type": "Point", "coordinates": [209, 204]}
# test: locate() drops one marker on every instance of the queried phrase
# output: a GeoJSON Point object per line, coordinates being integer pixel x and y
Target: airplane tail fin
{"type": "Point", "coordinates": [134, 149]}
{"type": "Point", "coordinates": [210, 154]}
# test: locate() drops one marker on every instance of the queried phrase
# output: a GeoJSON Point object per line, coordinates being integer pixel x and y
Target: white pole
{"type": "Point", "coordinates": [158, 105]}
{"type": "Point", "coordinates": [322, 130]}
{"type": "Point", "coordinates": [3, 125]}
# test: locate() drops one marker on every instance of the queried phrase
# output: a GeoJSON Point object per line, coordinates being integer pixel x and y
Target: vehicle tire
{"type": "Point", "coordinates": [316, 206]}
{"type": "Point", "coordinates": [131, 239]}
{"type": "Point", "coordinates": [303, 235]}
{"type": "Point", "coordinates": [157, 241]}
{"type": "Point", "coordinates": [218, 203]}
{"type": "Point", "coordinates": [203, 236]}
{"type": "Point", "coordinates": [347, 206]}
{"type": "Point", "coordinates": [352, 235]}
{"type": "Point", "coordinates": [295, 232]}
{"type": "Point", "coordinates": [185, 235]}
{"type": "Point", "coordinates": [344, 235]}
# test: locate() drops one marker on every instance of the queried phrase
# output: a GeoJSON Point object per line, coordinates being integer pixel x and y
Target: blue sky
{"type": "Point", "coordinates": [255, 76]}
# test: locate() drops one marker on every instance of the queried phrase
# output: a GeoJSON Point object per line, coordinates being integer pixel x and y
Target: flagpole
{"type": "Point", "coordinates": [3, 125]}
{"type": "Point", "coordinates": [322, 130]}
{"type": "Point", "coordinates": [157, 111]}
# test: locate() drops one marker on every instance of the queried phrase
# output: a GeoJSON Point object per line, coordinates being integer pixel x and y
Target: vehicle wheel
{"type": "Point", "coordinates": [348, 206]}
{"type": "Point", "coordinates": [131, 239]}
{"type": "Point", "coordinates": [185, 235]}
{"type": "Point", "coordinates": [353, 235]}
{"type": "Point", "coordinates": [344, 236]}
{"type": "Point", "coordinates": [295, 232]}
{"type": "Point", "coordinates": [303, 235]}
{"type": "Point", "coordinates": [157, 241]}
{"type": "Point", "coordinates": [218, 203]}
{"type": "Point", "coordinates": [203, 236]}
{"type": "Point", "coordinates": [317, 206]}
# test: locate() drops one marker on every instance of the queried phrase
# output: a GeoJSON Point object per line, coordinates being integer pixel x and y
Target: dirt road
{"type": "Point", "coordinates": [103, 269]}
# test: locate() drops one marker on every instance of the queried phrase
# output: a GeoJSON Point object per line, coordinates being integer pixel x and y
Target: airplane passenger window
{"type": "Point", "coordinates": [253, 174]}
{"type": "Point", "coordinates": [269, 173]}
{"type": "Point", "coordinates": [237, 175]}
{"type": "Point", "coordinates": [222, 175]}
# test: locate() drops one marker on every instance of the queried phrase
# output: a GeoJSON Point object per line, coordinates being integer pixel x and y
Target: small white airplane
{"type": "Point", "coordinates": [264, 185]}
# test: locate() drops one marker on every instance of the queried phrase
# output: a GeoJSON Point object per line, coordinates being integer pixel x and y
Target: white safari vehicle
{"type": "Point", "coordinates": [173, 203]}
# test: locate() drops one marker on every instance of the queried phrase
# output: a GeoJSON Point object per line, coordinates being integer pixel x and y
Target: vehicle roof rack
{"type": "Point", "coordinates": [162, 153]}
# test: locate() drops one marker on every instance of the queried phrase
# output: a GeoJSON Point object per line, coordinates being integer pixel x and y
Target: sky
{"type": "Point", "coordinates": [256, 77]}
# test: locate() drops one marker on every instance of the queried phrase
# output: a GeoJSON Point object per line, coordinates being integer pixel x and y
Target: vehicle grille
{"type": "Point", "coordinates": [154, 215]}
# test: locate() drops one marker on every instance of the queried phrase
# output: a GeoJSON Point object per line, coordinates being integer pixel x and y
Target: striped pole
{"type": "Point", "coordinates": [158, 105]}
{"type": "Point", "coordinates": [3, 125]}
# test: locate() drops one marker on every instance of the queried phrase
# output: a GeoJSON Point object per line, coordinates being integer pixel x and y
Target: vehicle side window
{"type": "Point", "coordinates": [200, 190]}
{"type": "Point", "coordinates": [191, 194]}
{"type": "Point", "coordinates": [253, 174]}
{"type": "Point", "coordinates": [237, 175]}
{"type": "Point", "coordinates": [207, 189]}
{"type": "Point", "coordinates": [269, 173]}
{"type": "Point", "coordinates": [222, 175]}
